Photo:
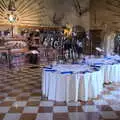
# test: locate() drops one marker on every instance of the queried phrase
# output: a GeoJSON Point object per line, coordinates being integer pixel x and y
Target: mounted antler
{"type": "Point", "coordinates": [78, 8]}
{"type": "Point", "coordinates": [57, 20]}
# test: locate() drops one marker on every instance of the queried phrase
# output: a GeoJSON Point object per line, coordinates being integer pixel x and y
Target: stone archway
{"type": "Point", "coordinates": [117, 43]}
{"type": "Point", "coordinates": [109, 42]}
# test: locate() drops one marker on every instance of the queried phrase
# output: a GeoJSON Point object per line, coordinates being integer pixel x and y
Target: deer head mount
{"type": "Point", "coordinates": [79, 10]}
{"type": "Point", "coordinates": [57, 18]}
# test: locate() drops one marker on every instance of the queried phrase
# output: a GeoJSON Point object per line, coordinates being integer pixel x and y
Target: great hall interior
{"type": "Point", "coordinates": [59, 60]}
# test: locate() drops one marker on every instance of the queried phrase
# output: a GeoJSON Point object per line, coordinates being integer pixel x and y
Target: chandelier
{"type": "Point", "coordinates": [11, 17]}
{"type": "Point", "coordinates": [11, 8]}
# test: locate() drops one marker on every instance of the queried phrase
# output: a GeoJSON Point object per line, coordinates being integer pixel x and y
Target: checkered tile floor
{"type": "Point", "coordinates": [20, 99]}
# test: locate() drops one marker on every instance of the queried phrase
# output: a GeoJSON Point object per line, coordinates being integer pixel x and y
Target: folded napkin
{"type": "Point", "coordinates": [75, 63]}
{"type": "Point", "coordinates": [96, 69]}
{"type": "Point", "coordinates": [98, 64]}
{"type": "Point", "coordinates": [118, 61]}
{"type": "Point", "coordinates": [67, 72]}
{"type": "Point", "coordinates": [47, 67]}
{"type": "Point", "coordinates": [112, 63]}
{"type": "Point", "coordinates": [108, 58]}
{"type": "Point", "coordinates": [87, 71]}
{"type": "Point", "coordinates": [50, 70]}
{"type": "Point", "coordinates": [95, 66]}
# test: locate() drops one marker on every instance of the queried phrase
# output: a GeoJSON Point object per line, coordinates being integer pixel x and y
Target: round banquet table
{"type": "Point", "coordinates": [72, 82]}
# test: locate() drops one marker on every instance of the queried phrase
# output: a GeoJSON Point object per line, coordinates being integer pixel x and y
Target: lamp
{"type": "Point", "coordinates": [11, 18]}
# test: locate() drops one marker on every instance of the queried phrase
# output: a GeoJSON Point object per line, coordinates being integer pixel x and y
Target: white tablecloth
{"type": "Point", "coordinates": [110, 67]}
{"type": "Point", "coordinates": [61, 86]}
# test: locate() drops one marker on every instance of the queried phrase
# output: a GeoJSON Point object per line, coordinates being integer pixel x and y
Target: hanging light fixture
{"type": "Point", "coordinates": [11, 16]}
{"type": "Point", "coordinates": [11, 5]}
{"type": "Point", "coordinates": [11, 8]}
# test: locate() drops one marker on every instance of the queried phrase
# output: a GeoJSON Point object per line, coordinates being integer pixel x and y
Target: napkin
{"type": "Point", "coordinates": [67, 72]}
{"type": "Point", "coordinates": [50, 70]}
{"type": "Point", "coordinates": [47, 67]}
{"type": "Point", "coordinates": [87, 71]}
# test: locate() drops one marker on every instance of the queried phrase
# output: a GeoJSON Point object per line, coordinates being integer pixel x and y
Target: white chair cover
{"type": "Point", "coordinates": [107, 73]}
{"type": "Point", "coordinates": [47, 77]}
{"type": "Point", "coordinates": [84, 87]}
{"type": "Point", "coordinates": [93, 86]}
{"type": "Point", "coordinates": [52, 86]}
{"type": "Point", "coordinates": [115, 73]}
{"type": "Point", "coordinates": [65, 87]}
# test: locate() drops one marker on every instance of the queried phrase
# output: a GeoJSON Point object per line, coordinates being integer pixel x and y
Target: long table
{"type": "Point", "coordinates": [79, 82]}
{"type": "Point", "coordinates": [110, 66]}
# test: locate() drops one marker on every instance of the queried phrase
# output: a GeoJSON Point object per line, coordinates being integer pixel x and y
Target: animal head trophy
{"type": "Point", "coordinates": [79, 10]}
{"type": "Point", "coordinates": [57, 19]}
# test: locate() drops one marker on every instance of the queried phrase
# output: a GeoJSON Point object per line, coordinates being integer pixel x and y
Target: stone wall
{"type": "Point", "coordinates": [67, 8]}
{"type": "Point", "coordinates": [104, 14]}
{"type": "Point", "coordinates": [101, 14]}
